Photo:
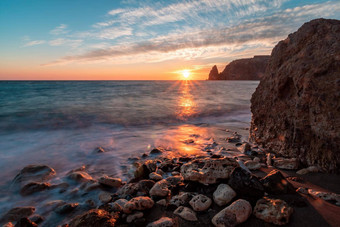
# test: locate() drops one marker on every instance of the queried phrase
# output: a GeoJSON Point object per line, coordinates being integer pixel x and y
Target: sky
{"type": "Point", "coordinates": [142, 40]}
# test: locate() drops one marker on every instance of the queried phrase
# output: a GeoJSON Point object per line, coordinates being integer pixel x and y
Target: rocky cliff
{"type": "Point", "coordinates": [242, 69]}
{"type": "Point", "coordinates": [296, 107]}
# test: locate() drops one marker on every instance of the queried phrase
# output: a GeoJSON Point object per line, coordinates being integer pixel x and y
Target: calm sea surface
{"type": "Point", "coordinates": [61, 123]}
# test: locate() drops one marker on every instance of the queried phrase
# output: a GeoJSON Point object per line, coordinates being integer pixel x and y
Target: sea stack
{"type": "Point", "coordinates": [296, 107]}
{"type": "Point", "coordinates": [213, 75]}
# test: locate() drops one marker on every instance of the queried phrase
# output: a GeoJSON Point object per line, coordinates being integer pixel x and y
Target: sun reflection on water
{"type": "Point", "coordinates": [186, 104]}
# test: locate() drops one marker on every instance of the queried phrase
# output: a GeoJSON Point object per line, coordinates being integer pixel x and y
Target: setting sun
{"type": "Point", "coordinates": [186, 74]}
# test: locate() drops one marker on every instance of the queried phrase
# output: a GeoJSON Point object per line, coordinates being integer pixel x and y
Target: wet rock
{"type": "Point", "coordinates": [129, 189]}
{"type": "Point", "coordinates": [274, 211]}
{"type": "Point", "coordinates": [110, 181]}
{"type": "Point", "coordinates": [160, 188]}
{"type": "Point", "coordinates": [157, 151]}
{"type": "Point", "coordinates": [33, 187]}
{"type": "Point", "coordinates": [162, 222]}
{"type": "Point", "coordinates": [25, 222]}
{"type": "Point", "coordinates": [119, 204]}
{"type": "Point", "coordinates": [174, 180]}
{"type": "Point", "coordinates": [285, 163]}
{"type": "Point", "coordinates": [37, 218]}
{"type": "Point", "coordinates": [239, 210]}
{"type": "Point", "coordinates": [91, 186]}
{"type": "Point", "coordinates": [143, 170]}
{"type": "Point", "coordinates": [300, 91]}
{"type": "Point", "coordinates": [80, 176]}
{"type": "Point", "coordinates": [245, 183]}
{"type": "Point", "coordinates": [155, 176]}
{"type": "Point", "coordinates": [186, 213]}
{"type": "Point", "coordinates": [200, 202]}
{"type": "Point", "coordinates": [181, 199]}
{"type": "Point", "coordinates": [99, 150]}
{"type": "Point", "coordinates": [34, 173]}
{"type": "Point", "coordinates": [328, 196]}
{"type": "Point", "coordinates": [145, 186]}
{"type": "Point", "coordinates": [105, 197]}
{"type": "Point", "coordinates": [17, 213]}
{"type": "Point", "coordinates": [252, 165]}
{"type": "Point", "coordinates": [66, 208]}
{"type": "Point", "coordinates": [276, 183]}
{"type": "Point", "coordinates": [95, 217]}
{"type": "Point", "coordinates": [208, 171]}
{"type": "Point", "coordinates": [310, 169]}
{"type": "Point", "coordinates": [130, 218]}
{"type": "Point", "coordinates": [223, 194]}
{"type": "Point", "coordinates": [234, 139]}
{"type": "Point", "coordinates": [138, 203]}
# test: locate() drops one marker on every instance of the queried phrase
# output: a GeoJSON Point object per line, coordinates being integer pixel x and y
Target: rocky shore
{"type": "Point", "coordinates": [234, 183]}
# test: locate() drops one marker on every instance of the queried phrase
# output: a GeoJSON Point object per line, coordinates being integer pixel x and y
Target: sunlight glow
{"type": "Point", "coordinates": [186, 74]}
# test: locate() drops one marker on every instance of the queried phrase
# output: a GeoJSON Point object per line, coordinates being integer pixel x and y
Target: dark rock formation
{"type": "Point", "coordinates": [296, 107]}
{"type": "Point", "coordinates": [276, 183]}
{"type": "Point", "coordinates": [242, 69]}
{"type": "Point", "coordinates": [94, 218]}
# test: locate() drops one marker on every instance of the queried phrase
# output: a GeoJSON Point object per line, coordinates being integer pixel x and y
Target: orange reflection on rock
{"type": "Point", "coordinates": [186, 104]}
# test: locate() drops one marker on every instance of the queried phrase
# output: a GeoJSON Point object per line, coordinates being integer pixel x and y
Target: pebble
{"type": "Point", "coordinates": [223, 194]}
{"type": "Point", "coordinates": [256, 159]}
{"type": "Point", "coordinates": [269, 159]}
{"type": "Point", "coordinates": [80, 176]}
{"type": "Point", "coordinates": [34, 173]}
{"type": "Point", "coordinates": [186, 213]}
{"type": "Point", "coordinates": [33, 187]}
{"type": "Point", "coordinates": [200, 202]}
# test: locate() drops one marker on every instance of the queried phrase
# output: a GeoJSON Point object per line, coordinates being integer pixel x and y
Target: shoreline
{"type": "Point", "coordinates": [103, 196]}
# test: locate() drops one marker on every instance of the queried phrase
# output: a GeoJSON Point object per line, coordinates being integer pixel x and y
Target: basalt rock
{"type": "Point", "coordinates": [296, 109]}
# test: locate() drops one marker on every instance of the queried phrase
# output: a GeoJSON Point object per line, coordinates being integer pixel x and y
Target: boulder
{"type": "Point", "coordinates": [186, 213]}
{"type": "Point", "coordinates": [110, 181]}
{"type": "Point", "coordinates": [236, 213]}
{"type": "Point", "coordinates": [245, 183]}
{"type": "Point", "coordinates": [286, 163]}
{"type": "Point", "coordinates": [274, 211]}
{"type": "Point", "coordinates": [295, 108]}
{"type": "Point", "coordinates": [200, 202]}
{"type": "Point", "coordinates": [129, 189]}
{"type": "Point", "coordinates": [33, 187]}
{"type": "Point", "coordinates": [36, 173]}
{"type": "Point", "coordinates": [223, 194]}
{"type": "Point", "coordinates": [95, 217]}
{"type": "Point", "coordinates": [17, 213]}
{"type": "Point", "coordinates": [208, 171]}
{"type": "Point", "coordinates": [80, 176]}
{"type": "Point", "coordinates": [162, 222]}
{"type": "Point", "coordinates": [138, 203]}
{"type": "Point", "coordinates": [276, 183]}
{"type": "Point", "coordinates": [160, 188]}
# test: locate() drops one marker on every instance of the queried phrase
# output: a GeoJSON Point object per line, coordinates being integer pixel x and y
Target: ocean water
{"type": "Point", "coordinates": [61, 123]}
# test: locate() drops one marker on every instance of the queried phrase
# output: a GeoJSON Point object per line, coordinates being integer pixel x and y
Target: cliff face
{"type": "Point", "coordinates": [243, 69]}
{"type": "Point", "coordinates": [213, 75]}
{"type": "Point", "coordinates": [296, 107]}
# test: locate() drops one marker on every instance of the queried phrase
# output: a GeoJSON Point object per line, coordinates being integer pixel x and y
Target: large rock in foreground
{"type": "Point", "coordinates": [296, 107]}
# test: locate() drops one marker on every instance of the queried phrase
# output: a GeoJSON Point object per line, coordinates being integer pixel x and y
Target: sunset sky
{"type": "Point", "coordinates": [139, 40]}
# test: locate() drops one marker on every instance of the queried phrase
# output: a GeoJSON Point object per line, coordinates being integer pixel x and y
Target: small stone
{"type": "Point", "coordinates": [25, 222]}
{"type": "Point", "coordinates": [80, 176]}
{"type": "Point", "coordinates": [33, 187]}
{"type": "Point", "coordinates": [144, 186]}
{"type": "Point", "coordinates": [236, 213]}
{"type": "Point", "coordinates": [200, 202]}
{"type": "Point", "coordinates": [162, 202]}
{"type": "Point", "coordinates": [110, 181]}
{"type": "Point", "coordinates": [274, 211]}
{"type": "Point", "coordinates": [186, 213]}
{"type": "Point", "coordinates": [119, 204]}
{"type": "Point", "coordinates": [276, 183]}
{"type": "Point", "coordinates": [286, 163]}
{"type": "Point", "coordinates": [181, 199]}
{"type": "Point", "coordinates": [162, 222]}
{"type": "Point", "coordinates": [95, 217]}
{"type": "Point", "coordinates": [223, 194]}
{"type": "Point", "coordinates": [155, 176]}
{"type": "Point", "coordinates": [302, 190]}
{"type": "Point", "coordinates": [66, 208]}
{"type": "Point", "coordinates": [131, 217]}
{"type": "Point", "coordinates": [160, 188]}
{"type": "Point", "coordinates": [310, 169]}
{"type": "Point", "coordinates": [129, 189]}
{"type": "Point", "coordinates": [17, 213]}
{"type": "Point", "coordinates": [252, 165]}
{"type": "Point", "coordinates": [105, 197]}
{"type": "Point", "coordinates": [138, 203]}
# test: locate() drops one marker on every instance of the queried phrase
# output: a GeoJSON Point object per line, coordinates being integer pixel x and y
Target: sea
{"type": "Point", "coordinates": [61, 123]}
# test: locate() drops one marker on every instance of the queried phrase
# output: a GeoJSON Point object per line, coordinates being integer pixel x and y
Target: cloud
{"type": "Point", "coordinates": [73, 43]}
{"type": "Point", "coordinates": [34, 43]}
{"type": "Point", "coordinates": [61, 29]}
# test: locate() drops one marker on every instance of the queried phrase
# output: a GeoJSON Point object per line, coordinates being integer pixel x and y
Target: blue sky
{"type": "Point", "coordinates": [66, 36]}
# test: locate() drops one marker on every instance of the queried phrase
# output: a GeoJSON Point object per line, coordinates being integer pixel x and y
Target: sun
{"type": "Point", "coordinates": [186, 74]}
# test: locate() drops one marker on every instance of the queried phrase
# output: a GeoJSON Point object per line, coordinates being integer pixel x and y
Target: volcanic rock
{"type": "Point", "coordinates": [276, 183]}
{"type": "Point", "coordinates": [200, 202]}
{"type": "Point", "coordinates": [162, 222]}
{"type": "Point", "coordinates": [95, 217]}
{"type": "Point", "coordinates": [155, 176]}
{"type": "Point", "coordinates": [145, 186]}
{"type": "Point", "coordinates": [181, 199]}
{"type": "Point", "coordinates": [208, 171]}
{"type": "Point", "coordinates": [236, 213]}
{"type": "Point", "coordinates": [296, 109]}
{"type": "Point", "coordinates": [138, 203]}
{"type": "Point", "coordinates": [273, 210]}
{"type": "Point", "coordinates": [160, 188]}
{"type": "Point", "coordinates": [223, 194]}
{"type": "Point", "coordinates": [186, 213]}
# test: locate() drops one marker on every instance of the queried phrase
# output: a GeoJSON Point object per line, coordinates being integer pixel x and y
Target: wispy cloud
{"type": "Point", "coordinates": [59, 30]}
{"type": "Point", "coordinates": [73, 43]}
{"type": "Point", "coordinates": [34, 43]}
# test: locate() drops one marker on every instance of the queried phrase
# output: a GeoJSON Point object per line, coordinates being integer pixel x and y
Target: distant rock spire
{"type": "Point", "coordinates": [213, 75]}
